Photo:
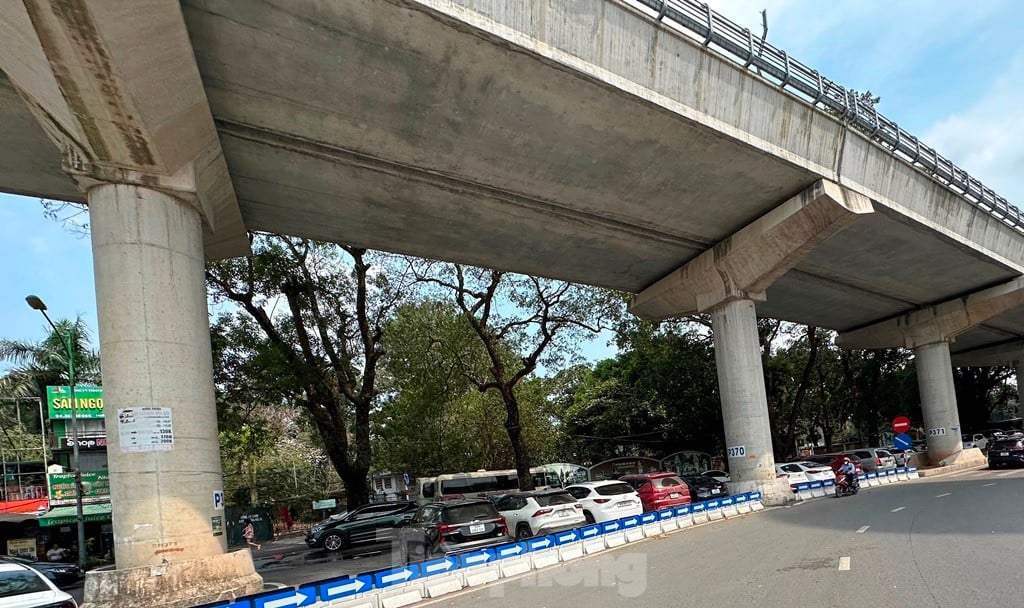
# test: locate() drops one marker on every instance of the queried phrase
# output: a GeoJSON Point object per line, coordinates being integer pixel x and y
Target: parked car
{"type": "Point", "coordinates": [704, 488]}
{"type": "Point", "coordinates": [24, 587]}
{"type": "Point", "coordinates": [874, 459]}
{"type": "Point", "coordinates": [606, 500]}
{"type": "Point", "coordinates": [62, 574]}
{"type": "Point", "coordinates": [828, 459]}
{"type": "Point", "coordinates": [659, 490]}
{"type": "Point", "coordinates": [371, 524]}
{"type": "Point", "coordinates": [1006, 451]}
{"type": "Point", "coordinates": [541, 512]}
{"type": "Point", "coordinates": [974, 440]}
{"type": "Point", "coordinates": [717, 475]}
{"type": "Point", "coordinates": [804, 472]}
{"type": "Point", "coordinates": [456, 526]}
{"type": "Point", "coordinates": [902, 456]}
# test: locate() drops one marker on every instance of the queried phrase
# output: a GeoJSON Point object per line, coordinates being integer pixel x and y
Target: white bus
{"type": "Point", "coordinates": [480, 483]}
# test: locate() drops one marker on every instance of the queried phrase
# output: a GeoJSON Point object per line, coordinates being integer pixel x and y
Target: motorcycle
{"type": "Point", "coordinates": [846, 485]}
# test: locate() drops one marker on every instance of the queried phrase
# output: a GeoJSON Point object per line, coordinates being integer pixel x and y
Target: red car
{"type": "Point", "coordinates": [659, 490]}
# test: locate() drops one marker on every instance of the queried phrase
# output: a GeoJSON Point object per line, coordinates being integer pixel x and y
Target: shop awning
{"type": "Point", "coordinates": [63, 516]}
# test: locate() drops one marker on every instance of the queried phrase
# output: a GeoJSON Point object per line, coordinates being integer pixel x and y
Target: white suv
{"type": "Point", "coordinates": [540, 513]}
{"type": "Point", "coordinates": [606, 500]}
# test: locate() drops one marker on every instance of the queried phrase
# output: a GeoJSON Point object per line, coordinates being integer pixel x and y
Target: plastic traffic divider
{"type": "Point", "coordinates": [440, 576]}
{"type": "Point", "coordinates": [684, 516]}
{"type": "Point", "coordinates": [540, 543]}
{"type": "Point", "coordinates": [667, 518]}
{"type": "Point", "coordinates": [542, 551]}
{"type": "Point", "coordinates": [714, 509]}
{"type": "Point", "coordinates": [590, 532]}
{"type": "Point", "coordinates": [742, 503]}
{"type": "Point", "coordinates": [509, 550]}
{"type": "Point", "coordinates": [699, 512]}
{"type": "Point", "coordinates": [383, 579]}
{"type": "Point", "coordinates": [566, 537]}
{"type": "Point", "coordinates": [729, 506]}
{"type": "Point", "coordinates": [754, 499]}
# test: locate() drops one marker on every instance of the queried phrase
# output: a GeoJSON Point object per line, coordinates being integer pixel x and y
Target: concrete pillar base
{"type": "Point", "coordinates": [972, 457]}
{"type": "Point", "coordinates": [174, 585]}
{"type": "Point", "coordinates": [774, 493]}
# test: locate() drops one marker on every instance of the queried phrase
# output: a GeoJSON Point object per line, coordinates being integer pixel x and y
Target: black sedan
{"type": "Point", "coordinates": [443, 528]}
{"type": "Point", "coordinates": [705, 488]}
{"type": "Point", "coordinates": [62, 575]}
{"type": "Point", "coordinates": [372, 524]}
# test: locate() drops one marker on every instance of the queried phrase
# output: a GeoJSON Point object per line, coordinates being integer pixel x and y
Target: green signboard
{"type": "Point", "coordinates": [89, 399]}
{"type": "Point", "coordinates": [95, 486]}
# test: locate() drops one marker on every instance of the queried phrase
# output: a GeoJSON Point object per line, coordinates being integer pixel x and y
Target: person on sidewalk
{"type": "Point", "coordinates": [249, 533]}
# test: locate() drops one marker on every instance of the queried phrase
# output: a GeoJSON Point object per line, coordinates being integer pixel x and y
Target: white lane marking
{"type": "Point", "coordinates": [897, 509]}
{"type": "Point", "coordinates": [941, 495]}
{"type": "Point", "coordinates": [985, 485]}
{"type": "Point", "coordinates": [844, 563]}
{"type": "Point", "coordinates": [1006, 474]}
{"type": "Point", "coordinates": [862, 529]}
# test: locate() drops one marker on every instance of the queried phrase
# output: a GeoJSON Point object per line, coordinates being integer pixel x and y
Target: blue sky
{"type": "Point", "coordinates": [951, 72]}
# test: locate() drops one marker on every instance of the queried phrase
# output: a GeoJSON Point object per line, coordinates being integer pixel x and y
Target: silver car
{"type": "Point", "coordinates": [874, 459]}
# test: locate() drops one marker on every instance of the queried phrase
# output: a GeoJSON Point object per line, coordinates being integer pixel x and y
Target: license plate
{"type": "Point", "coordinates": [1004, 453]}
{"type": "Point", "coordinates": [477, 528]}
{"type": "Point", "coordinates": [625, 503]}
{"type": "Point", "coordinates": [674, 495]}
{"type": "Point", "coordinates": [716, 491]}
{"type": "Point", "coordinates": [564, 513]}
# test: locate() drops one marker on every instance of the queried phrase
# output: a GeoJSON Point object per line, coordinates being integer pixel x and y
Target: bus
{"type": "Point", "coordinates": [481, 483]}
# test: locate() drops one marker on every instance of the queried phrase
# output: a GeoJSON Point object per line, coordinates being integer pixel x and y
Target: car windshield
{"type": "Point", "coordinates": [614, 489]}
{"type": "Point", "coordinates": [19, 582]}
{"type": "Point", "coordinates": [467, 513]}
{"type": "Point", "coordinates": [548, 500]}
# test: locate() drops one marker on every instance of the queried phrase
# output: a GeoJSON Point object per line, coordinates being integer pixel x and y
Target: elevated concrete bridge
{"type": "Point", "coordinates": [622, 144]}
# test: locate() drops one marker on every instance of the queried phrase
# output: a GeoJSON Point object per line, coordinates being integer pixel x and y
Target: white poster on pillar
{"type": "Point", "coordinates": [145, 429]}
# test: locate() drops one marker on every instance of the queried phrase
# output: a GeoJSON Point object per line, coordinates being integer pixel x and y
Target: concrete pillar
{"type": "Point", "coordinates": [1020, 388]}
{"type": "Point", "coordinates": [938, 401]}
{"type": "Point", "coordinates": [744, 402]}
{"type": "Point", "coordinates": [155, 347]}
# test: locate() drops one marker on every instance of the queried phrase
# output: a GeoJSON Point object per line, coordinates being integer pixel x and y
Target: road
{"type": "Point", "coordinates": [948, 542]}
{"type": "Point", "coordinates": [953, 541]}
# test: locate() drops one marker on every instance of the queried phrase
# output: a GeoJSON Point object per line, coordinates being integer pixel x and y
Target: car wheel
{"type": "Point", "coordinates": [590, 518]}
{"type": "Point", "coordinates": [523, 532]}
{"type": "Point", "coordinates": [333, 541]}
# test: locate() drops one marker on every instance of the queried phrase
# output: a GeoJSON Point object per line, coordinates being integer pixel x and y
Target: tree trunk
{"type": "Point", "coordinates": [515, 435]}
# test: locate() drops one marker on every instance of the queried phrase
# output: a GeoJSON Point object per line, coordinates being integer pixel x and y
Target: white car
{"type": "Point", "coordinates": [24, 587]}
{"type": "Point", "coordinates": [540, 513]}
{"type": "Point", "coordinates": [804, 472]}
{"type": "Point", "coordinates": [721, 476]}
{"type": "Point", "coordinates": [606, 500]}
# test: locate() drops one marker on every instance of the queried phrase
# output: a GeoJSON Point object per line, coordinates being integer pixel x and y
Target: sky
{"type": "Point", "coordinates": [948, 71]}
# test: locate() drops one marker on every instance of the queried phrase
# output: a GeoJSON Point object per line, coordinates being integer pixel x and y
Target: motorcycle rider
{"type": "Point", "coordinates": [850, 471]}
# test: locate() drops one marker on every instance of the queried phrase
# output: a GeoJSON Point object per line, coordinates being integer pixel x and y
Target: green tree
{"type": "Point", "coordinates": [309, 331]}
{"type": "Point", "coordinates": [36, 365]}
{"type": "Point", "coordinates": [536, 319]}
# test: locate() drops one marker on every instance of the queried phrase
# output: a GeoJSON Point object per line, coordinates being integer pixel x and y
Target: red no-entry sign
{"type": "Point", "coordinates": [900, 424]}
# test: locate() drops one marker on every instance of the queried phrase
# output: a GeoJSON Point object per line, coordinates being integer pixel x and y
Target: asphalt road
{"type": "Point", "coordinates": [954, 541]}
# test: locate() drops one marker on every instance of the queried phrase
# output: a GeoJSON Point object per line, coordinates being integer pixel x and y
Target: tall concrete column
{"type": "Point", "coordinates": [155, 348]}
{"type": "Point", "coordinates": [938, 401]}
{"type": "Point", "coordinates": [744, 402]}
{"type": "Point", "coordinates": [1020, 388]}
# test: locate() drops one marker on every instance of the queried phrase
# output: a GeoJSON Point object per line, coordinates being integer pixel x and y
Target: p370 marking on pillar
{"type": "Point", "coordinates": [738, 451]}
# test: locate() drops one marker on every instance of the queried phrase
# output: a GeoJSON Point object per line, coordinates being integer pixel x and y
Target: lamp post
{"type": "Point", "coordinates": [38, 304]}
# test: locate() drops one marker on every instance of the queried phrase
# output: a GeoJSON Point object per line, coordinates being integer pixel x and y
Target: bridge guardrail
{"type": "Point", "coordinates": [697, 20]}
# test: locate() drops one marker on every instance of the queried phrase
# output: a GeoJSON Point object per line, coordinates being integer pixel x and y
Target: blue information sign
{"type": "Point", "coordinates": [902, 441]}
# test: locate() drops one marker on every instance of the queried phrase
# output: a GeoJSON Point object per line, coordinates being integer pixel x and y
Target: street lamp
{"type": "Point", "coordinates": [37, 304]}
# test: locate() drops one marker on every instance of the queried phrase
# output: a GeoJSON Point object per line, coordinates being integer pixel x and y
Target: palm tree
{"type": "Point", "coordinates": [45, 363]}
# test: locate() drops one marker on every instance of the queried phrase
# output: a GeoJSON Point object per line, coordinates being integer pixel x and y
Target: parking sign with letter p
{"type": "Point", "coordinates": [218, 500]}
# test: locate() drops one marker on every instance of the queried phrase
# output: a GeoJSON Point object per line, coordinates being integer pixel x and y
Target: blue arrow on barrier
{"type": "Point", "coordinates": [683, 510]}
{"type": "Point", "coordinates": [510, 550]}
{"type": "Point", "coordinates": [740, 498]}
{"type": "Point", "coordinates": [395, 576]}
{"type": "Point", "coordinates": [648, 518]}
{"type": "Point", "coordinates": [286, 598]}
{"type": "Point", "coordinates": [697, 507]}
{"type": "Point", "coordinates": [630, 522]}
{"type": "Point", "coordinates": [611, 526]}
{"type": "Point", "coordinates": [712, 504]}
{"type": "Point", "coordinates": [438, 566]}
{"type": "Point", "coordinates": [829, 483]}
{"type": "Point", "coordinates": [592, 531]}
{"type": "Point", "coordinates": [726, 502]}
{"type": "Point", "coordinates": [569, 536]}
{"type": "Point", "coordinates": [476, 558]}
{"type": "Point", "coordinates": [666, 514]}
{"type": "Point", "coordinates": [344, 587]}
{"type": "Point", "coordinates": [815, 485]}
{"type": "Point", "coordinates": [537, 544]}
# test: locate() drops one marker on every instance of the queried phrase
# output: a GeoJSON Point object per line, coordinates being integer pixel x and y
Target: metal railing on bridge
{"type": "Point", "coordinates": [698, 21]}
